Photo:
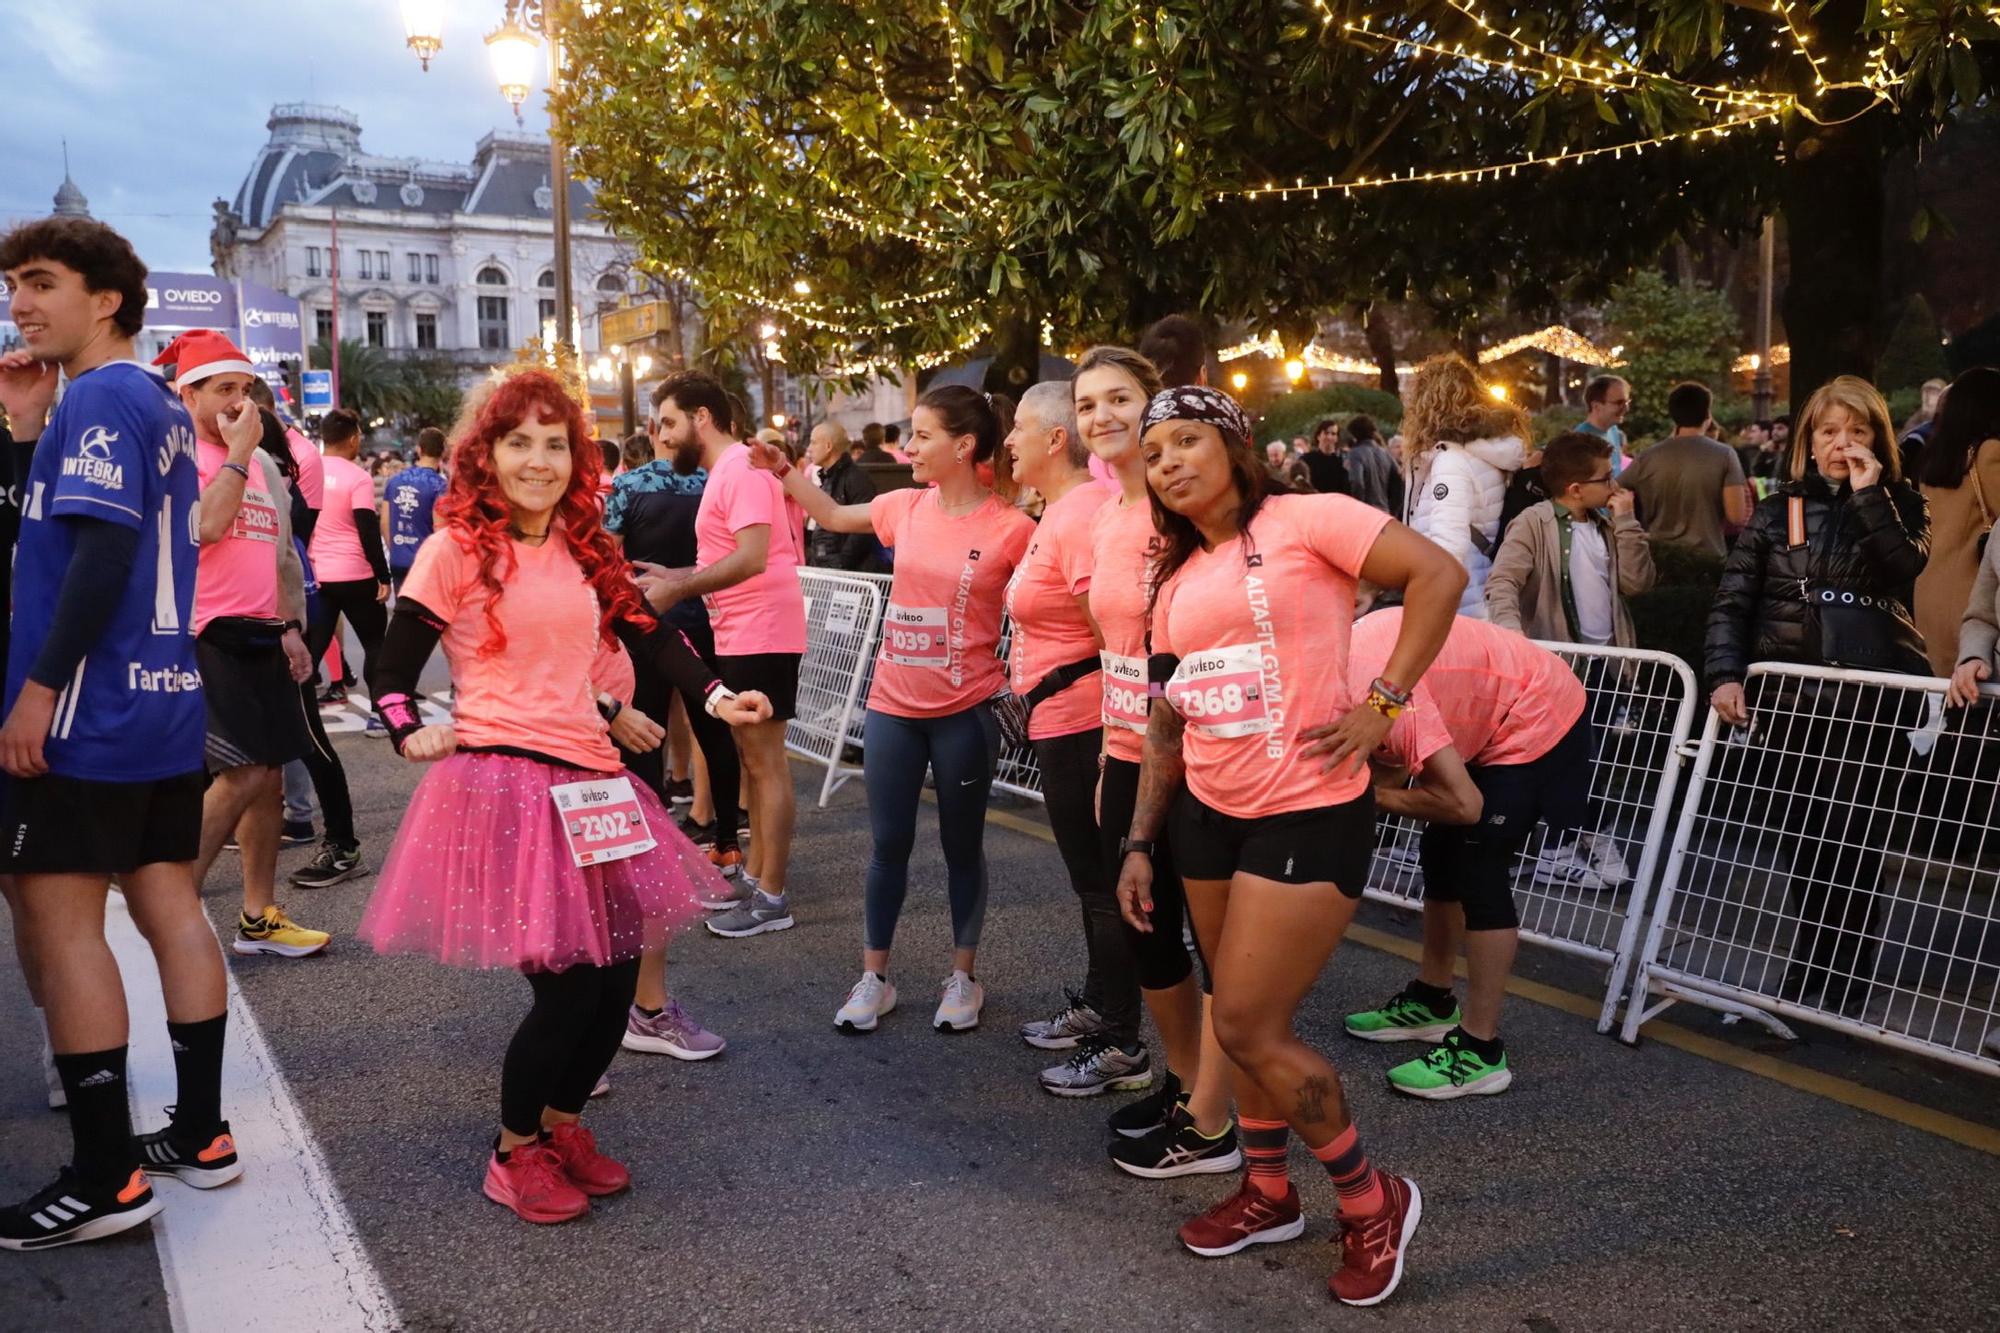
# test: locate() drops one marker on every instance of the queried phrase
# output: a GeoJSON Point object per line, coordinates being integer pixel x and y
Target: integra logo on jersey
{"type": "Point", "coordinates": [161, 680]}
{"type": "Point", "coordinates": [93, 461]}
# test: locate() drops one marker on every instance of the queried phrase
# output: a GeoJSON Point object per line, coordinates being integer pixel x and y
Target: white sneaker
{"type": "Point", "coordinates": [871, 998]}
{"type": "Point", "coordinates": [58, 1099]}
{"type": "Point", "coordinates": [959, 1004]}
{"type": "Point", "coordinates": [1607, 862]}
{"type": "Point", "coordinates": [1567, 868]}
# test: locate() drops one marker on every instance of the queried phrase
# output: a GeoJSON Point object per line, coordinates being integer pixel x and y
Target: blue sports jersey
{"type": "Point", "coordinates": [119, 448]}
{"type": "Point", "coordinates": [412, 495]}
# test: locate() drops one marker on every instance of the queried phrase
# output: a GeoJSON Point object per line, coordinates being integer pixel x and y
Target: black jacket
{"type": "Point", "coordinates": [1879, 546]}
{"type": "Point", "coordinates": [846, 484]}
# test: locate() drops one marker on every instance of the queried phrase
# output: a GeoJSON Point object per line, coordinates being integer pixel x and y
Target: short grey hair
{"type": "Point", "coordinates": [1052, 403]}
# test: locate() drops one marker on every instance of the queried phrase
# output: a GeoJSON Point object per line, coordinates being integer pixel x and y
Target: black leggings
{"type": "Point", "coordinates": [1162, 955]}
{"type": "Point", "coordinates": [565, 1043]}
{"type": "Point", "coordinates": [1069, 782]}
{"type": "Point", "coordinates": [329, 779]}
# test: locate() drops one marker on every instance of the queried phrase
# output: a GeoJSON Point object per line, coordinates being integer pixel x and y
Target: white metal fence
{"type": "Point", "coordinates": [1836, 863]}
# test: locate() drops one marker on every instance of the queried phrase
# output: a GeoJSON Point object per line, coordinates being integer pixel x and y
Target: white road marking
{"type": "Point", "coordinates": [275, 1245]}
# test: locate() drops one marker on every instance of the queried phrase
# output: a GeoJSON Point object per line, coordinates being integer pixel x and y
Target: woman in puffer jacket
{"type": "Point", "coordinates": [1822, 577]}
{"type": "Point", "coordinates": [1462, 445]}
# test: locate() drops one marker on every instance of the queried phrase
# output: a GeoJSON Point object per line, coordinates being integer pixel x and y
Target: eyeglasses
{"type": "Point", "coordinates": [1605, 480]}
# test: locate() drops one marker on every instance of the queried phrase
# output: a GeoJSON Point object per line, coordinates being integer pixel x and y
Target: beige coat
{"type": "Point", "coordinates": [1945, 586]}
{"type": "Point", "coordinates": [1524, 591]}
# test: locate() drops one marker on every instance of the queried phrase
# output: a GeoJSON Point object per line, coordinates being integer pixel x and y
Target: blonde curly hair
{"type": "Point", "coordinates": [1447, 401]}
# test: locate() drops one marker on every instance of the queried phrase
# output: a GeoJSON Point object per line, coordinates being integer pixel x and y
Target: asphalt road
{"type": "Point", "coordinates": [909, 1180]}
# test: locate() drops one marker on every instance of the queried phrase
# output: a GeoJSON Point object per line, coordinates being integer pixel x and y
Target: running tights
{"type": "Point", "coordinates": [961, 749]}
{"type": "Point", "coordinates": [1069, 782]}
{"type": "Point", "coordinates": [565, 1043]}
{"type": "Point", "coordinates": [329, 778]}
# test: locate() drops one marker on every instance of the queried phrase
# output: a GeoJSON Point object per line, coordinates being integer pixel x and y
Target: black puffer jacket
{"type": "Point", "coordinates": [1879, 546]}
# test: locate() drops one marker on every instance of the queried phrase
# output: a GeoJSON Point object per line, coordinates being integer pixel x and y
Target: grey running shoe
{"type": "Point", "coordinates": [733, 893]}
{"type": "Point", "coordinates": [672, 1031]}
{"type": "Point", "coordinates": [1098, 1066]}
{"type": "Point", "coordinates": [755, 917]}
{"type": "Point", "coordinates": [1067, 1026]}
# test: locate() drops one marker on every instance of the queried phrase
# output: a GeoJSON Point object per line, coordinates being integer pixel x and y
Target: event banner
{"type": "Point", "coordinates": [265, 323]}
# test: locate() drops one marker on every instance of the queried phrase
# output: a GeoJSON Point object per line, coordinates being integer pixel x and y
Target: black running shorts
{"type": "Point", "coordinates": [1331, 844]}
{"type": "Point", "coordinates": [776, 675]}
{"type": "Point", "coordinates": [255, 711]}
{"type": "Point", "coordinates": [72, 826]}
{"type": "Point", "coordinates": [1473, 864]}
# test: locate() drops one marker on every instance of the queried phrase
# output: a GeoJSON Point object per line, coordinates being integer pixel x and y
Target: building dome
{"type": "Point", "coordinates": [70, 202]}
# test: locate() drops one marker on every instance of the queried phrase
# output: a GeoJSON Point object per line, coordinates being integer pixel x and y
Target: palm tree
{"type": "Point", "coordinates": [371, 385]}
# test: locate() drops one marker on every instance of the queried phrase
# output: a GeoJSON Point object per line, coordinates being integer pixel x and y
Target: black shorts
{"type": "Point", "coordinates": [775, 674]}
{"type": "Point", "coordinates": [73, 826]}
{"type": "Point", "coordinates": [1332, 844]}
{"type": "Point", "coordinates": [1473, 864]}
{"type": "Point", "coordinates": [255, 711]}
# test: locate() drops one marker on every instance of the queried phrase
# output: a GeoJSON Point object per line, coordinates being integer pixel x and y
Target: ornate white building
{"type": "Point", "coordinates": [445, 259]}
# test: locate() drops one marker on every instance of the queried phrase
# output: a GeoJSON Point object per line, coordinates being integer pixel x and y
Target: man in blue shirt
{"type": "Point", "coordinates": [102, 743]}
{"type": "Point", "coordinates": [1606, 400]}
{"type": "Point", "coordinates": [409, 502]}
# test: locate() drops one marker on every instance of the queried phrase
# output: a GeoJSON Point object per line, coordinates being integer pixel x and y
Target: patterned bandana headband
{"type": "Point", "coordinates": [1197, 402]}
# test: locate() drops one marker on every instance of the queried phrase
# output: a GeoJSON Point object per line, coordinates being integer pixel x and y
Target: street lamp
{"type": "Point", "coordinates": [513, 47]}
{"type": "Point", "coordinates": [1239, 381]}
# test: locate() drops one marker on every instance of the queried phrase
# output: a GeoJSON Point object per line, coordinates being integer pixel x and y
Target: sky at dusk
{"type": "Point", "coordinates": [164, 106]}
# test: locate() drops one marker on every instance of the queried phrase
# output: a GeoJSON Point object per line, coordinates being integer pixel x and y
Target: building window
{"type": "Point", "coordinates": [611, 284]}
{"type": "Point", "coordinates": [427, 332]}
{"type": "Point", "coordinates": [548, 280]}
{"type": "Point", "coordinates": [323, 324]}
{"type": "Point", "coordinates": [545, 313]}
{"type": "Point", "coordinates": [491, 277]}
{"type": "Point", "coordinates": [312, 261]}
{"type": "Point", "coordinates": [493, 321]}
{"type": "Point", "coordinates": [367, 264]}
{"type": "Point", "coordinates": [416, 267]}
{"type": "Point", "coordinates": [378, 328]}
{"type": "Point", "coordinates": [430, 268]}
{"type": "Point", "coordinates": [382, 265]}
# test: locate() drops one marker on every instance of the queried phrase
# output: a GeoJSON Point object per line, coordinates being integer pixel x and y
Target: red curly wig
{"type": "Point", "coordinates": [475, 513]}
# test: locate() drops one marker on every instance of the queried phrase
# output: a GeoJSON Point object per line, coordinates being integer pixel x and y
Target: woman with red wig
{"type": "Point", "coordinates": [527, 845]}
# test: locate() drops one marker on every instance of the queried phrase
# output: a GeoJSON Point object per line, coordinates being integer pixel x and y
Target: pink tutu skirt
{"type": "Point", "coordinates": [481, 875]}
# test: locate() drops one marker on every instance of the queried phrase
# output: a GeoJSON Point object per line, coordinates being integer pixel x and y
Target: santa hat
{"type": "Point", "coordinates": [200, 353]}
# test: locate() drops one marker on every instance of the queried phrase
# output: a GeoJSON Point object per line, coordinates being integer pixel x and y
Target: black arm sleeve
{"type": "Point", "coordinates": [92, 587]}
{"type": "Point", "coordinates": [668, 652]}
{"type": "Point", "coordinates": [368, 524]}
{"type": "Point", "coordinates": [393, 668]}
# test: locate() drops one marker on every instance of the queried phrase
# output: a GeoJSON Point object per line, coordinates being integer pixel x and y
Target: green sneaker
{"type": "Point", "coordinates": [1450, 1069]}
{"type": "Point", "coordinates": [1404, 1018]}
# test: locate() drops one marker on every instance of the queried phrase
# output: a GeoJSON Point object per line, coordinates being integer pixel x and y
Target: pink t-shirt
{"type": "Point", "coordinates": [1490, 694]}
{"type": "Point", "coordinates": [942, 625]}
{"type": "Point", "coordinates": [1123, 542]}
{"type": "Point", "coordinates": [1050, 629]}
{"type": "Point", "coordinates": [537, 693]}
{"type": "Point", "coordinates": [1261, 632]}
{"type": "Point", "coordinates": [336, 543]}
{"type": "Point", "coordinates": [238, 576]}
{"type": "Point", "coordinates": [312, 468]}
{"type": "Point", "coordinates": [767, 613]}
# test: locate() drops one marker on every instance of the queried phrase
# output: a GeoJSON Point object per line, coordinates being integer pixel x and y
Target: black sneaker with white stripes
{"type": "Point", "coordinates": [201, 1160]}
{"type": "Point", "coordinates": [1177, 1148]}
{"type": "Point", "coordinates": [74, 1210]}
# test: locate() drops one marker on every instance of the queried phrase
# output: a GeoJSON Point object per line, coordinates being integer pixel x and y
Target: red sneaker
{"type": "Point", "coordinates": [1372, 1248]}
{"type": "Point", "coordinates": [532, 1183]}
{"type": "Point", "coordinates": [588, 1169]}
{"type": "Point", "coordinates": [1243, 1219]}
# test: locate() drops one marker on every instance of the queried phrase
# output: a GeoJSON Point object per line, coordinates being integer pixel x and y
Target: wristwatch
{"type": "Point", "coordinates": [1126, 846]}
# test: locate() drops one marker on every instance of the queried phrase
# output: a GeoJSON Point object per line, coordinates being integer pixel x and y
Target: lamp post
{"type": "Point", "coordinates": [513, 46]}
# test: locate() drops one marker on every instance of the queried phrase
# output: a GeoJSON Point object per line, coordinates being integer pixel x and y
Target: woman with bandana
{"type": "Point", "coordinates": [1252, 598]}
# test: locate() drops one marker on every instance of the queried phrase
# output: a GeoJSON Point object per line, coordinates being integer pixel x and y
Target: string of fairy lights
{"type": "Point", "coordinates": [1556, 339]}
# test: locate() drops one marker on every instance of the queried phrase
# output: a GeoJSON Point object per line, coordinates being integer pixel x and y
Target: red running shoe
{"type": "Point", "coordinates": [1372, 1248]}
{"type": "Point", "coordinates": [532, 1183]}
{"type": "Point", "coordinates": [588, 1169]}
{"type": "Point", "coordinates": [1244, 1219]}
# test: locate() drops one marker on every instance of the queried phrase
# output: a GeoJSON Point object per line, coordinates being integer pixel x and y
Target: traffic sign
{"type": "Point", "coordinates": [316, 386]}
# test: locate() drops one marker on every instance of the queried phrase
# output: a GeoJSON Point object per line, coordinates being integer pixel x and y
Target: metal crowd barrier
{"type": "Point", "coordinates": [1837, 864]}
{"type": "Point", "coordinates": [1641, 706]}
{"type": "Point", "coordinates": [843, 630]}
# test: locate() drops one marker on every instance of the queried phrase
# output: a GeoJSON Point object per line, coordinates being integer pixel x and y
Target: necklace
{"type": "Point", "coordinates": [526, 539]}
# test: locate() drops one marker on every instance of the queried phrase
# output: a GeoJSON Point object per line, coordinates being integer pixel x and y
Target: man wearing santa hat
{"type": "Point", "coordinates": [249, 623]}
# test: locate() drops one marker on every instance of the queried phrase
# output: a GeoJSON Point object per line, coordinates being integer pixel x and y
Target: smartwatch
{"type": "Point", "coordinates": [1126, 846]}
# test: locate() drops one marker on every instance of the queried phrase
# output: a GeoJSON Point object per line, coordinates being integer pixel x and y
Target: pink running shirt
{"type": "Point", "coordinates": [1049, 627]}
{"type": "Point", "coordinates": [767, 613]}
{"type": "Point", "coordinates": [942, 625]}
{"type": "Point", "coordinates": [312, 468]}
{"type": "Point", "coordinates": [537, 694]}
{"type": "Point", "coordinates": [1123, 542]}
{"type": "Point", "coordinates": [238, 576]}
{"type": "Point", "coordinates": [1261, 633]}
{"type": "Point", "coordinates": [336, 544]}
{"type": "Point", "coordinates": [1491, 694]}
